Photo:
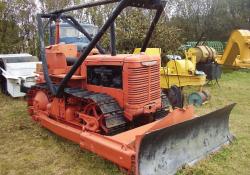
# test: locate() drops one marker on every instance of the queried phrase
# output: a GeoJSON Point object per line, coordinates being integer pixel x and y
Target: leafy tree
{"type": "Point", "coordinates": [17, 26]}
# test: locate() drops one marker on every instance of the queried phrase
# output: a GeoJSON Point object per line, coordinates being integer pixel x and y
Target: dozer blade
{"type": "Point", "coordinates": [164, 151]}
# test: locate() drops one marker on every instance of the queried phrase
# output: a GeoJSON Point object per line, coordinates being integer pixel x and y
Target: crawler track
{"type": "Point", "coordinates": [110, 109]}
{"type": "Point", "coordinates": [113, 114]}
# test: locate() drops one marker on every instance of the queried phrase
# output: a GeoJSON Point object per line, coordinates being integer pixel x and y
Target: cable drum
{"type": "Point", "coordinates": [204, 53]}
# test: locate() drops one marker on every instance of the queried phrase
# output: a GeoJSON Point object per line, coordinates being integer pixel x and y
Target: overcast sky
{"type": "Point", "coordinates": [38, 4]}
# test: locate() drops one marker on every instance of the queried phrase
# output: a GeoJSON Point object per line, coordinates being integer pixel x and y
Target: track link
{"type": "Point", "coordinates": [113, 114]}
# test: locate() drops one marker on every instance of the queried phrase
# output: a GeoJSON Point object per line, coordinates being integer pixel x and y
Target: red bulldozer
{"type": "Point", "coordinates": [112, 105]}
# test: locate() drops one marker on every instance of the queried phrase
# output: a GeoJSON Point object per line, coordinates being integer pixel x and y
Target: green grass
{"type": "Point", "coordinates": [26, 148]}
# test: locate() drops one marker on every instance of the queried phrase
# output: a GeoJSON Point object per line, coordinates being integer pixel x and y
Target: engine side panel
{"type": "Point", "coordinates": [133, 80]}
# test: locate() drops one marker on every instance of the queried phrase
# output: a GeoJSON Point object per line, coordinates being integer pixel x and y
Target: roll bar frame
{"type": "Point", "coordinates": [157, 5]}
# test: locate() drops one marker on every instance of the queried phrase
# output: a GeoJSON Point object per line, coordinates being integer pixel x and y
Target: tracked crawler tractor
{"type": "Point", "coordinates": [111, 104]}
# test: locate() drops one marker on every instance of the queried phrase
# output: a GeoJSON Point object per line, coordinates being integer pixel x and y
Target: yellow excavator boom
{"type": "Point", "coordinates": [237, 51]}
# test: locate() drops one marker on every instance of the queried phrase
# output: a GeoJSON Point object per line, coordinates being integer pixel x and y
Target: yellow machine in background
{"type": "Point", "coordinates": [149, 51]}
{"type": "Point", "coordinates": [201, 54]}
{"type": "Point", "coordinates": [181, 73]}
{"type": "Point", "coordinates": [204, 58]}
{"type": "Point", "coordinates": [178, 72]}
{"type": "Point", "coordinates": [175, 74]}
{"type": "Point", "coordinates": [237, 51]}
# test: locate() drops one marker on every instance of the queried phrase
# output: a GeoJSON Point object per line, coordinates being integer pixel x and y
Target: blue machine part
{"type": "Point", "coordinates": [69, 35]}
{"type": "Point", "coordinates": [198, 98]}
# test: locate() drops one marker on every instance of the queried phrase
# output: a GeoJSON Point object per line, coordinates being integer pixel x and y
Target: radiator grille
{"type": "Point", "coordinates": [143, 84]}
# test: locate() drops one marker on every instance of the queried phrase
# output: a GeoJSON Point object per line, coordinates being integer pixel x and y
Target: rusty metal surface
{"type": "Point", "coordinates": [166, 150]}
